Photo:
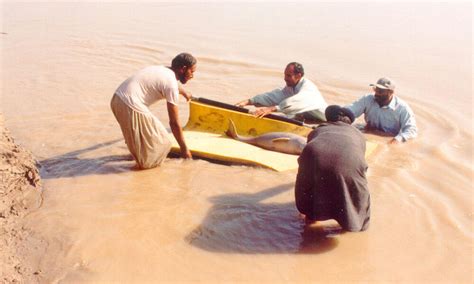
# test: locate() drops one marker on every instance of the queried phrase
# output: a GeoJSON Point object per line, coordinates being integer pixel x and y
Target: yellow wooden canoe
{"type": "Point", "coordinates": [205, 135]}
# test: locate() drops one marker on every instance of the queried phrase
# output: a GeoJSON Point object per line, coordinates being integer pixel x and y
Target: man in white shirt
{"type": "Point", "coordinates": [299, 99]}
{"type": "Point", "coordinates": [386, 112]}
{"type": "Point", "coordinates": [145, 136]}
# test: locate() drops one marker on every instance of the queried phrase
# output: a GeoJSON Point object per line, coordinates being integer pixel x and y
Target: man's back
{"type": "Point", "coordinates": [338, 147]}
{"type": "Point", "coordinates": [147, 86]}
{"type": "Point", "coordinates": [331, 181]}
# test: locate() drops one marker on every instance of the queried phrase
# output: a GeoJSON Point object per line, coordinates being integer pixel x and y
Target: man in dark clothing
{"type": "Point", "coordinates": [331, 181]}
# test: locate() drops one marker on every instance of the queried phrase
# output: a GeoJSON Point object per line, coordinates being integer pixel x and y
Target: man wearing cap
{"type": "Point", "coordinates": [299, 99]}
{"type": "Point", "coordinates": [386, 112]}
{"type": "Point", "coordinates": [331, 181]}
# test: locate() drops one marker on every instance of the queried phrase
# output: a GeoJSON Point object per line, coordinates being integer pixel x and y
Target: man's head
{"type": "Point", "coordinates": [383, 89]}
{"type": "Point", "coordinates": [293, 73]}
{"type": "Point", "coordinates": [184, 65]}
{"type": "Point", "coordinates": [335, 113]}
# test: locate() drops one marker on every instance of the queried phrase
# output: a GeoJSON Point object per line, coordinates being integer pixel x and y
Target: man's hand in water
{"type": "Point", "coordinates": [262, 111]}
{"type": "Point", "coordinates": [186, 154]}
{"type": "Point", "coordinates": [307, 220]}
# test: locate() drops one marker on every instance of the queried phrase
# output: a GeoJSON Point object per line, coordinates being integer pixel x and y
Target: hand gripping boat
{"type": "Point", "coordinates": [209, 120]}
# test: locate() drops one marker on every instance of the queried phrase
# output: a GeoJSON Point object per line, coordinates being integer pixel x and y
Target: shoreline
{"type": "Point", "coordinates": [20, 194]}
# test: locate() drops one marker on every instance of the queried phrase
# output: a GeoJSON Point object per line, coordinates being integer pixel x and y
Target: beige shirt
{"type": "Point", "coordinates": [305, 96]}
{"type": "Point", "coordinates": [148, 86]}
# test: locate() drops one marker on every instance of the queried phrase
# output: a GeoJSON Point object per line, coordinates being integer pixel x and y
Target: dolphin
{"type": "Point", "coordinates": [283, 142]}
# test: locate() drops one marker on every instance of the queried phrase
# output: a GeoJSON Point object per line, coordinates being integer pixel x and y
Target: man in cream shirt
{"type": "Point", "coordinates": [145, 136]}
{"type": "Point", "coordinates": [299, 99]}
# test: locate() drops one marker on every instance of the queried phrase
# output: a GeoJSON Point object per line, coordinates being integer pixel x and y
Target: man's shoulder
{"type": "Point", "coordinates": [337, 128]}
{"type": "Point", "coordinates": [367, 99]}
{"type": "Point", "coordinates": [307, 85]}
{"type": "Point", "coordinates": [157, 68]}
{"type": "Point", "coordinates": [159, 72]}
{"type": "Point", "coordinates": [400, 101]}
{"type": "Point", "coordinates": [401, 104]}
{"type": "Point", "coordinates": [368, 96]}
{"type": "Point", "coordinates": [307, 82]}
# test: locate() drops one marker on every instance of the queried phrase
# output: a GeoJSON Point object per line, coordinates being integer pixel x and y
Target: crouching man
{"type": "Point", "coordinates": [331, 181]}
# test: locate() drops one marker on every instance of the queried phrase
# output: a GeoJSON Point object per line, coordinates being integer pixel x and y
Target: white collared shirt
{"type": "Point", "coordinates": [305, 96]}
{"type": "Point", "coordinates": [396, 118]}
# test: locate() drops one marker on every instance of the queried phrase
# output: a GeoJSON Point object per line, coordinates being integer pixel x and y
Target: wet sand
{"type": "Point", "coordinates": [196, 221]}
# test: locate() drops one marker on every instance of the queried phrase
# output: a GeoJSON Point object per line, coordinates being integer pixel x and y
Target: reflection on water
{"type": "Point", "coordinates": [242, 223]}
{"type": "Point", "coordinates": [73, 164]}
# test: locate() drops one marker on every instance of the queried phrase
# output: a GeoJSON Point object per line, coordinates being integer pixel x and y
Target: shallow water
{"type": "Point", "coordinates": [193, 221]}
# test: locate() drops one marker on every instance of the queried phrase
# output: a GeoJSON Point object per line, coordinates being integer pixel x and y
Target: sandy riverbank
{"type": "Point", "coordinates": [20, 194]}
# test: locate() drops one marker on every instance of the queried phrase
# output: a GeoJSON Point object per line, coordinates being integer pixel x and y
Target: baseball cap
{"type": "Point", "coordinates": [384, 83]}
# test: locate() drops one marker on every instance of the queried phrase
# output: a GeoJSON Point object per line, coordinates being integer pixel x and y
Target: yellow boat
{"type": "Point", "coordinates": [205, 135]}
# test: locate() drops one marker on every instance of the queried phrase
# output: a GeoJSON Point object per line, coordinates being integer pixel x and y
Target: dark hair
{"type": "Point", "coordinates": [298, 67]}
{"type": "Point", "coordinates": [183, 59]}
{"type": "Point", "coordinates": [336, 113]}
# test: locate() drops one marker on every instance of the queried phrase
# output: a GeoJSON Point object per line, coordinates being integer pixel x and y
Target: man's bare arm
{"type": "Point", "coordinates": [177, 131]}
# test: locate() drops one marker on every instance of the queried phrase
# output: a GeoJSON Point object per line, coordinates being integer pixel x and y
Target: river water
{"type": "Point", "coordinates": [196, 221]}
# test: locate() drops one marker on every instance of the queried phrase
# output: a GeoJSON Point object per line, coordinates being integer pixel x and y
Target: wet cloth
{"type": "Point", "coordinates": [396, 118]}
{"type": "Point", "coordinates": [331, 181]}
{"type": "Point", "coordinates": [145, 136]}
{"type": "Point", "coordinates": [304, 97]}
